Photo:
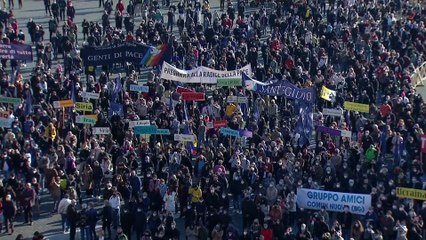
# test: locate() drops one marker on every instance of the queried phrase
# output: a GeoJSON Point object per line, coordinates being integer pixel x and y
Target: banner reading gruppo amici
{"type": "Point", "coordinates": [333, 201]}
{"type": "Point", "coordinates": [280, 88]}
{"type": "Point", "coordinates": [20, 52]}
{"type": "Point", "coordinates": [127, 52]}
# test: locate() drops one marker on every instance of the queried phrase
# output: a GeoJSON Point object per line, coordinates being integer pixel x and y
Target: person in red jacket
{"type": "Point", "coordinates": [227, 22]}
{"type": "Point", "coordinates": [120, 7]}
{"type": "Point", "coordinates": [266, 232]}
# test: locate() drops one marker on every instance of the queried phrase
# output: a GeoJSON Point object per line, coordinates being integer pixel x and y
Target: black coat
{"type": "Point", "coordinates": [72, 215]}
{"type": "Point", "coordinates": [9, 209]}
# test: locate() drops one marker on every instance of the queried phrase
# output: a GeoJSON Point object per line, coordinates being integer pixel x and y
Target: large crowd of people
{"type": "Point", "coordinates": [366, 51]}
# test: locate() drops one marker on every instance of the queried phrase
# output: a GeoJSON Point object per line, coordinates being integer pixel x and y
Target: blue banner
{"type": "Point", "coordinates": [16, 52]}
{"type": "Point", "coordinates": [280, 88]}
{"type": "Point", "coordinates": [127, 52]}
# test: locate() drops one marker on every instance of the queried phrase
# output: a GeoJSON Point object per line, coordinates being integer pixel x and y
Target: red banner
{"type": "Point", "coordinates": [193, 96]}
{"type": "Point", "coordinates": [423, 143]}
{"type": "Point", "coordinates": [181, 90]}
{"type": "Point", "coordinates": [219, 123]}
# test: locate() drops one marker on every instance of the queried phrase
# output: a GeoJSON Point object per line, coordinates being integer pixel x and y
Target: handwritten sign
{"type": "Point", "coordinates": [229, 82]}
{"type": "Point", "coordinates": [10, 100]}
{"type": "Point", "coordinates": [331, 131]}
{"type": "Point", "coordinates": [162, 132]}
{"type": "Point", "coordinates": [246, 133]}
{"type": "Point", "coordinates": [193, 96]}
{"type": "Point", "coordinates": [149, 129]}
{"type": "Point", "coordinates": [6, 122]}
{"type": "Point", "coordinates": [230, 132]}
{"type": "Point", "coordinates": [184, 137]}
{"type": "Point", "coordinates": [346, 133]}
{"type": "Point", "coordinates": [133, 124]}
{"type": "Point", "coordinates": [332, 112]}
{"type": "Point", "coordinates": [82, 106]}
{"type": "Point", "coordinates": [90, 95]}
{"type": "Point", "coordinates": [217, 124]}
{"type": "Point", "coordinates": [101, 130]}
{"type": "Point", "coordinates": [139, 88]}
{"type": "Point", "coordinates": [63, 103]}
{"type": "Point", "coordinates": [94, 116]}
{"type": "Point", "coordinates": [359, 107]}
{"type": "Point", "coordinates": [85, 120]}
{"type": "Point", "coordinates": [181, 90]}
{"type": "Point", "coordinates": [236, 99]}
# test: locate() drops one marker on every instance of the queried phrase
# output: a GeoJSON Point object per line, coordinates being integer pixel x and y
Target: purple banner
{"type": "Point", "coordinates": [331, 131]}
{"type": "Point", "coordinates": [245, 133]}
{"type": "Point", "coordinates": [16, 52]}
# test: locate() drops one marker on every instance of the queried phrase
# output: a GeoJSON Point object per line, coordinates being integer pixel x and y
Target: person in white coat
{"type": "Point", "coordinates": [170, 202]}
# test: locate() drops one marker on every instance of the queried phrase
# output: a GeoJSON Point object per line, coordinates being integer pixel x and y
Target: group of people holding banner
{"type": "Point", "coordinates": [310, 132]}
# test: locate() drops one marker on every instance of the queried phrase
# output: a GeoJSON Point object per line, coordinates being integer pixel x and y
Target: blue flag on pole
{"type": "Point", "coordinates": [29, 103]}
{"type": "Point", "coordinates": [305, 123]}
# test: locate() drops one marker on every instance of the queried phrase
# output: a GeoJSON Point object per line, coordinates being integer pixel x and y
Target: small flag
{"type": "Point", "coordinates": [155, 55]}
{"type": "Point", "coordinates": [328, 94]}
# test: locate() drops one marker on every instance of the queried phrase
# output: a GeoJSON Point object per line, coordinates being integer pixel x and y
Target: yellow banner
{"type": "Point", "coordinates": [82, 106]}
{"type": "Point", "coordinates": [359, 107]}
{"type": "Point", "coordinates": [411, 193]}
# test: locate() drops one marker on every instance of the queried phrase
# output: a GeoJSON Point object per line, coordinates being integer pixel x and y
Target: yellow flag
{"type": "Point", "coordinates": [328, 94]}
